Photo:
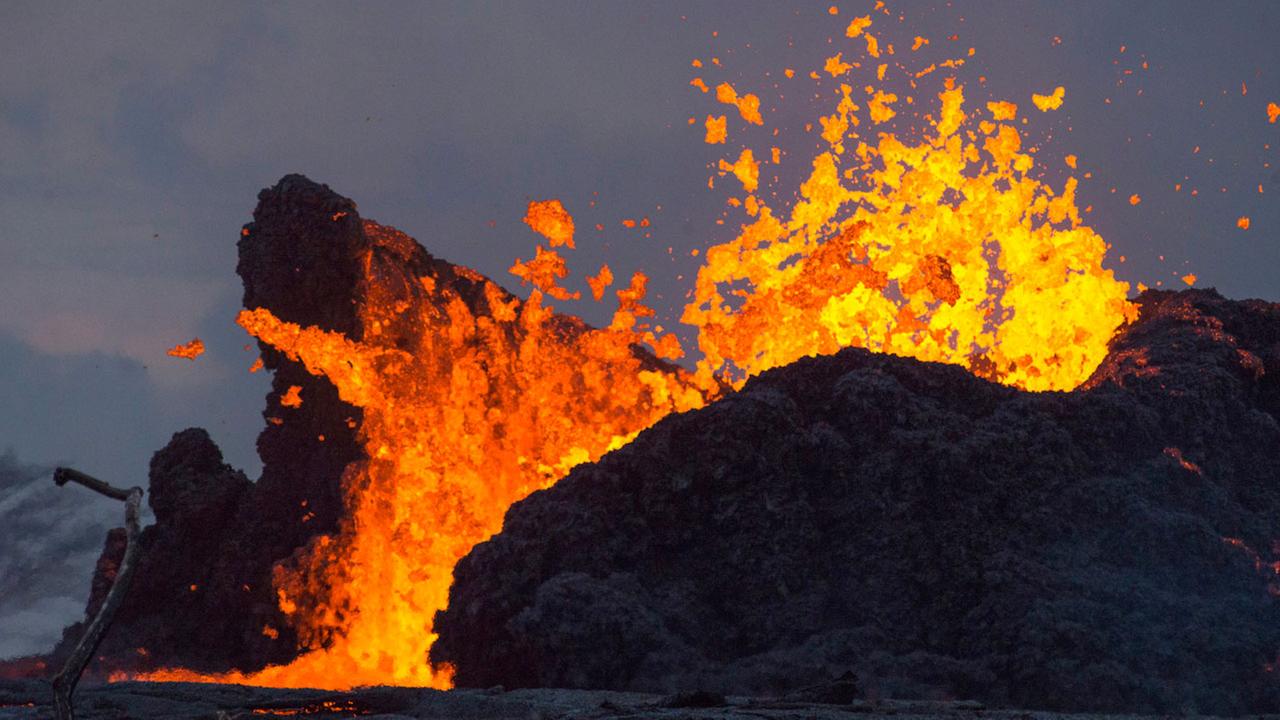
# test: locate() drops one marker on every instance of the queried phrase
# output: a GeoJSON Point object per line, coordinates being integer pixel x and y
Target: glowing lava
{"type": "Point", "coordinates": [470, 403]}
{"type": "Point", "coordinates": [188, 351]}
{"type": "Point", "coordinates": [940, 246]}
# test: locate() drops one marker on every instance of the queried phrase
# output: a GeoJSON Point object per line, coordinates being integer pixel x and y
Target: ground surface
{"type": "Point", "coordinates": [141, 701]}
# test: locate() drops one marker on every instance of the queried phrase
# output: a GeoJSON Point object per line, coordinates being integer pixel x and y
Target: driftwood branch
{"type": "Point", "coordinates": [62, 476]}
{"type": "Point", "coordinates": [64, 683]}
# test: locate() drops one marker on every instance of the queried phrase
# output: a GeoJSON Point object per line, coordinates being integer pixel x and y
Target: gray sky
{"type": "Point", "coordinates": [135, 136]}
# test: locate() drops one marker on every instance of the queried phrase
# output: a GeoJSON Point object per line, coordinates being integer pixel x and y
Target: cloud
{"type": "Point", "coordinates": [93, 410]}
{"type": "Point", "coordinates": [364, 92]}
{"type": "Point", "coordinates": [74, 310]}
{"type": "Point", "coordinates": [78, 62]}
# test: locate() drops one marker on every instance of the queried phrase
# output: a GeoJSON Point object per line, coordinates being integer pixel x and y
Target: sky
{"type": "Point", "coordinates": [134, 138]}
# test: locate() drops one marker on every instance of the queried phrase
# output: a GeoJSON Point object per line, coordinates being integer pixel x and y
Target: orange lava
{"type": "Point", "coordinates": [549, 219]}
{"type": "Point", "coordinates": [1049, 102]}
{"type": "Point", "coordinates": [189, 351]}
{"type": "Point", "coordinates": [748, 105]}
{"type": "Point", "coordinates": [716, 130]}
{"type": "Point", "coordinates": [292, 397]}
{"type": "Point", "coordinates": [466, 410]}
{"type": "Point", "coordinates": [939, 245]}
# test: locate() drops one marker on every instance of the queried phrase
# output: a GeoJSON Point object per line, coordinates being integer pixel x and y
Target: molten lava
{"type": "Point", "coordinates": [941, 246]}
{"type": "Point", "coordinates": [468, 407]}
{"type": "Point", "coordinates": [188, 351]}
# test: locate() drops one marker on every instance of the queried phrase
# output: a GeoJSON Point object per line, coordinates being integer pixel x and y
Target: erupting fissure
{"type": "Point", "coordinates": [939, 246]}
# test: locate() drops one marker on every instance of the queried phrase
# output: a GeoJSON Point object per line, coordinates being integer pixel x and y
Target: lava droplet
{"type": "Point", "coordinates": [190, 351]}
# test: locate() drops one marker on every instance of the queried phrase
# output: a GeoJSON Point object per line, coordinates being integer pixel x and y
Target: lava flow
{"type": "Point", "coordinates": [469, 404]}
{"type": "Point", "coordinates": [939, 245]}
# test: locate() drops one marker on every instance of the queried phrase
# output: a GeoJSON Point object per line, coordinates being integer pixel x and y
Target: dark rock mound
{"type": "Point", "coordinates": [177, 602]}
{"type": "Point", "coordinates": [938, 535]}
{"type": "Point", "coordinates": [192, 490]}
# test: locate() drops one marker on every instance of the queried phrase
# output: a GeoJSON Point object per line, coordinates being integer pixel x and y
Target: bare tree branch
{"type": "Point", "coordinates": [64, 683]}
{"type": "Point", "coordinates": [62, 476]}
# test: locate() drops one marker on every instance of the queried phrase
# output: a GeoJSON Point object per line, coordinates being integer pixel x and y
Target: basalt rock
{"type": "Point", "coordinates": [203, 596]}
{"type": "Point", "coordinates": [180, 604]}
{"type": "Point", "coordinates": [940, 536]}
{"type": "Point", "coordinates": [191, 486]}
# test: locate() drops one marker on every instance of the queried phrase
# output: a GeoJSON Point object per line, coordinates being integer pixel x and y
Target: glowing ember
{"type": "Point", "coordinates": [748, 105]}
{"type": "Point", "coordinates": [549, 219]}
{"type": "Point", "coordinates": [835, 67]}
{"type": "Point", "coordinates": [1186, 464]}
{"type": "Point", "coordinates": [857, 26]}
{"type": "Point", "coordinates": [599, 282]}
{"type": "Point", "coordinates": [292, 397]}
{"type": "Point", "coordinates": [716, 130]}
{"type": "Point", "coordinates": [190, 351]}
{"type": "Point", "coordinates": [1049, 102]}
{"type": "Point", "coordinates": [745, 169]}
{"type": "Point", "coordinates": [1009, 111]}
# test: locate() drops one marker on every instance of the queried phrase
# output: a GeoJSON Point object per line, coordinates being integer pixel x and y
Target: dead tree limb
{"type": "Point", "coordinates": [64, 683]}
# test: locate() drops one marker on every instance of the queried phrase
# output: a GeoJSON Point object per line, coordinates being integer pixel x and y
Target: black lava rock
{"type": "Point", "coordinates": [941, 536]}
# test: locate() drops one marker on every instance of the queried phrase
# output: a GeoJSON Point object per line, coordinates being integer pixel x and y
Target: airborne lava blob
{"type": "Point", "coordinates": [939, 246]}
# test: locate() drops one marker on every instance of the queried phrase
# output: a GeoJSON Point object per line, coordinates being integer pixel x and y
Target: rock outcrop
{"type": "Point", "coordinates": [941, 536]}
{"type": "Point", "coordinates": [203, 597]}
{"type": "Point", "coordinates": [180, 602]}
